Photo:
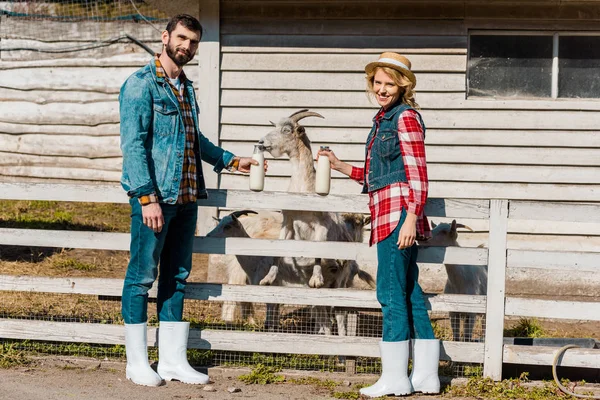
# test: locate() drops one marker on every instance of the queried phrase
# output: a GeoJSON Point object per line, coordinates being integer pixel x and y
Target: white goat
{"type": "Point", "coordinates": [250, 269]}
{"type": "Point", "coordinates": [462, 279]}
{"type": "Point", "coordinates": [290, 138]}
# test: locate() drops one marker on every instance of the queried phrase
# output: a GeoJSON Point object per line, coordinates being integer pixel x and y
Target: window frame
{"type": "Point", "coordinates": [555, 59]}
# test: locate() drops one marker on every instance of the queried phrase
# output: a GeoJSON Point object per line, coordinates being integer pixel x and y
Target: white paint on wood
{"type": "Point", "coordinates": [70, 174]}
{"type": "Point", "coordinates": [554, 211]}
{"type": "Point", "coordinates": [62, 145]}
{"type": "Point", "coordinates": [55, 96]}
{"type": "Point", "coordinates": [63, 192]}
{"type": "Point", "coordinates": [340, 81]}
{"type": "Point", "coordinates": [541, 355]}
{"type": "Point", "coordinates": [334, 62]}
{"type": "Point", "coordinates": [453, 190]}
{"type": "Point", "coordinates": [434, 136]}
{"type": "Point", "coordinates": [456, 119]}
{"type": "Point", "coordinates": [119, 60]}
{"type": "Point", "coordinates": [26, 160]}
{"type": "Point", "coordinates": [23, 128]}
{"type": "Point", "coordinates": [225, 340]}
{"type": "Point", "coordinates": [561, 260]}
{"type": "Point", "coordinates": [58, 114]}
{"type": "Point", "coordinates": [575, 310]}
{"type": "Point", "coordinates": [496, 290]}
{"type": "Point", "coordinates": [364, 299]}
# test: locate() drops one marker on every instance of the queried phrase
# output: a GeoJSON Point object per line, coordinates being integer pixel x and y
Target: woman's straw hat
{"type": "Point", "coordinates": [395, 61]}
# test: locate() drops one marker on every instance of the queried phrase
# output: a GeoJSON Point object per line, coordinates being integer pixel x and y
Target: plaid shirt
{"type": "Point", "coordinates": [386, 204]}
{"type": "Point", "coordinates": [188, 191]}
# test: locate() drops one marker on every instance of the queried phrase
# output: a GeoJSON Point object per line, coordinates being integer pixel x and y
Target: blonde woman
{"type": "Point", "coordinates": [395, 177]}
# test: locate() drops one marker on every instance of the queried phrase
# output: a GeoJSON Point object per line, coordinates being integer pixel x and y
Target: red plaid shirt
{"type": "Point", "coordinates": [188, 191]}
{"type": "Point", "coordinates": [386, 203]}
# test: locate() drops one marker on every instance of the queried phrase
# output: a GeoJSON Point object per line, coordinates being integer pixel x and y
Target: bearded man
{"type": "Point", "coordinates": [162, 173]}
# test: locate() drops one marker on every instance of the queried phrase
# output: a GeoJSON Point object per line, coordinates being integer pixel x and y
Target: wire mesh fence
{"type": "Point", "coordinates": [228, 316]}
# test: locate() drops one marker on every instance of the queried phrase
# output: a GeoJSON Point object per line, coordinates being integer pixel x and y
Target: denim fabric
{"type": "Point", "coordinates": [398, 291]}
{"type": "Point", "coordinates": [153, 137]}
{"type": "Point", "coordinates": [171, 249]}
{"type": "Point", "coordinates": [386, 165]}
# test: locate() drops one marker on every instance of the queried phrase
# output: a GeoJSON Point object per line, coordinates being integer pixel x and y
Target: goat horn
{"type": "Point", "coordinates": [238, 214]}
{"type": "Point", "coordinates": [298, 115]}
{"type": "Point", "coordinates": [464, 226]}
{"type": "Point", "coordinates": [272, 123]}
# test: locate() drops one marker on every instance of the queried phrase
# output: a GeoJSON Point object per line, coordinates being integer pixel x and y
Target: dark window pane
{"type": "Point", "coordinates": [579, 66]}
{"type": "Point", "coordinates": [510, 66]}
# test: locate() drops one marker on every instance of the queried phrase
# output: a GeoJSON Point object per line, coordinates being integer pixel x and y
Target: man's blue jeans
{"type": "Point", "coordinates": [398, 291]}
{"type": "Point", "coordinates": [172, 250]}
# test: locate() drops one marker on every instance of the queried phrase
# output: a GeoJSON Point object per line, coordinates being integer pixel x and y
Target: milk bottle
{"type": "Point", "coordinates": [257, 172]}
{"type": "Point", "coordinates": [323, 174]}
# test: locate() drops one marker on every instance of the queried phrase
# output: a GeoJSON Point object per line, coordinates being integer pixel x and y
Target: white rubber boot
{"type": "Point", "coordinates": [426, 359]}
{"type": "Point", "coordinates": [394, 371]}
{"type": "Point", "coordinates": [136, 348]}
{"type": "Point", "coordinates": [172, 354]}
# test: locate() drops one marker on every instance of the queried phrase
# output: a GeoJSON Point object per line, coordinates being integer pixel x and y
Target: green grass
{"type": "Point", "coordinates": [262, 375]}
{"type": "Point", "coordinates": [70, 264]}
{"type": "Point", "coordinates": [512, 389]}
{"type": "Point", "coordinates": [526, 327]}
{"type": "Point", "coordinates": [11, 357]}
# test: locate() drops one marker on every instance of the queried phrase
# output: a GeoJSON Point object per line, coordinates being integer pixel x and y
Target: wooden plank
{"type": "Point", "coordinates": [471, 173]}
{"type": "Point", "coordinates": [332, 10]}
{"type": "Point", "coordinates": [62, 145]}
{"type": "Point", "coordinates": [454, 190]}
{"type": "Point", "coordinates": [571, 212]}
{"type": "Point", "coordinates": [291, 26]}
{"type": "Point", "coordinates": [458, 154]}
{"type": "Point", "coordinates": [457, 119]}
{"type": "Point", "coordinates": [66, 173]}
{"type": "Point", "coordinates": [56, 113]}
{"type": "Point", "coordinates": [492, 366]}
{"type": "Point", "coordinates": [54, 96]}
{"type": "Point", "coordinates": [217, 292]}
{"type": "Point", "coordinates": [23, 128]}
{"type": "Point", "coordinates": [59, 162]}
{"type": "Point", "coordinates": [238, 199]}
{"type": "Point", "coordinates": [434, 136]}
{"type": "Point", "coordinates": [578, 310]}
{"type": "Point", "coordinates": [23, 49]}
{"type": "Point", "coordinates": [441, 98]}
{"type": "Point", "coordinates": [572, 261]}
{"type": "Point", "coordinates": [119, 60]}
{"type": "Point", "coordinates": [539, 242]}
{"type": "Point", "coordinates": [238, 246]}
{"type": "Point", "coordinates": [224, 340]}
{"type": "Point", "coordinates": [541, 355]}
{"type": "Point", "coordinates": [208, 98]}
{"type": "Point", "coordinates": [370, 40]}
{"type": "Point", "coordinates": [331, 81]}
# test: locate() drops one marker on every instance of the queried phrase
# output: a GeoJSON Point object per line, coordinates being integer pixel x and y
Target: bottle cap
{"type": "Point", "coordinates": [324, 147]}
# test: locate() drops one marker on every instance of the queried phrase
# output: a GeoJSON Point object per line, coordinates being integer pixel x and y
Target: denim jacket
{"type": "Point", "coordinates": [153, 138]}
{"type": "Point", "coordinates": [386, 165]}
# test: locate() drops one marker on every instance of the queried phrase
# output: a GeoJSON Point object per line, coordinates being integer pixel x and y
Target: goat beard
{"type": "Point", "coordinates": [179, 59]}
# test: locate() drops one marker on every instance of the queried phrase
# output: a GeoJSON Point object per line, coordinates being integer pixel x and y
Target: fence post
{"type": "Point", "coordinates": [494, 334]}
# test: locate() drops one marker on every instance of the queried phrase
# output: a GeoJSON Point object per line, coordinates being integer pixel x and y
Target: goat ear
{"type": "Point", "coordinates": [367, 220]}
{"type": "Point", "coordinates": [453, 226]}
{"type": "Point", "coordinates": [433, 224]}
{"type": "Point", "coordinates": [216, 219]}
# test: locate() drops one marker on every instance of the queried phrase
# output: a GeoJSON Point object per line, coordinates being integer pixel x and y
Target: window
{"type": "Point", "coordinates": [534, 65]}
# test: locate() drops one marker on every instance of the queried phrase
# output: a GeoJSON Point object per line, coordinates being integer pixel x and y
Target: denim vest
{"type": "Point", "coordinates": [386, 165]}
{"type": "Point", "coordinates": [153, 138]}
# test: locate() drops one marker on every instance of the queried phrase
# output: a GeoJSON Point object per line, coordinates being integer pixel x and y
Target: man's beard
{"type": "Point", "coordinates": [178, 58]}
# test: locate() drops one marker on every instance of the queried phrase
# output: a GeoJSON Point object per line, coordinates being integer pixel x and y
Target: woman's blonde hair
{"type": "Point", "coordinates": [406, 86]}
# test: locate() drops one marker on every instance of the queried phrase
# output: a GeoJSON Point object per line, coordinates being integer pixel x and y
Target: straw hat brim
{"type": "Point", "coordinates": [408, 73]}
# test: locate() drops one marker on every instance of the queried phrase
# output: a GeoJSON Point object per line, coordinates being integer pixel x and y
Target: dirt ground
{"type": "Point", "coordinates": [55, 378]}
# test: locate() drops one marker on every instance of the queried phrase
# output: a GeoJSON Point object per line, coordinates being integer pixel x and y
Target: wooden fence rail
{"type": "Point", "coordinates": [492, 353]}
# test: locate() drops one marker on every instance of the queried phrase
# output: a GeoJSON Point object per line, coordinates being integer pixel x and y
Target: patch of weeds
{"type": "Point", "coordinates": [11, 357]}
{"type": "Point", "coordinates": [346, 395]}
{"type": "Point", "coordinates": [70, 264]}
{"type": "Point", "coordinates": [526, 327]}
{"type": "Point", "coordinates": [486, 388]}
{"type": "Point", "coordinates": [312, 381]}
{"type": "Point", "coordinates": [262, 375]}
{"type": "Point", "coordinates": [473, 371]}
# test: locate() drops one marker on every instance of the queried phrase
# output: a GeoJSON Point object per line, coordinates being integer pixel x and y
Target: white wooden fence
{"type": "Point", "coordinates": [492, 353]}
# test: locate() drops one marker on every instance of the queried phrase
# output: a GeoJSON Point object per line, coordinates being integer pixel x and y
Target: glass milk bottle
{"type": "Point", "coordinates": [323, 174]}
{"type": "Point", "coordinates": [257, 172]}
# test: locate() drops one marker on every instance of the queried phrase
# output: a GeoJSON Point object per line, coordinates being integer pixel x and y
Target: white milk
{"type": "Point", "coordinates": [323, 174]}
{"type": "Point", "coordinates": [257, 172]}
